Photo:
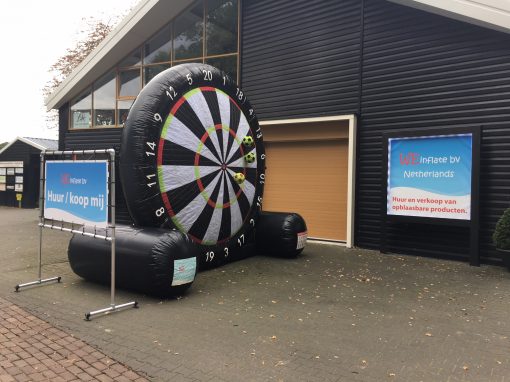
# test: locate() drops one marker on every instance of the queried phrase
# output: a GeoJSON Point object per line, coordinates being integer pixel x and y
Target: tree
{"type": "Point", "coordinates": [2, 145]}
{"type": "Point", "coordinates": [93, 34]}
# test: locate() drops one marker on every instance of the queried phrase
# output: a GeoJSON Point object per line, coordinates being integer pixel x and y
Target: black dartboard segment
{"type": "Point", "coordinates": [192, 158]}
{"type": "Point", "coordinates": [200, 123]}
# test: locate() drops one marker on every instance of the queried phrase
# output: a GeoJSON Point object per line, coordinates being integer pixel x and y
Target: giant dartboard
{"type": "Point", "coordinates": [192, 158]}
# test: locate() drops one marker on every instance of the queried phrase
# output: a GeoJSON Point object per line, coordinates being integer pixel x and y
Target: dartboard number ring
{"type": "Point", "coordinates": [202, 165]}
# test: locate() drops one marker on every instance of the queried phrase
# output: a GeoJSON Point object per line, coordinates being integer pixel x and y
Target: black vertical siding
{"type": "Point", "coordinates": [421, 70]}
{"type": "Point", "coordinates": [63, 125]}
{"type": "Point", "coordinates": [300, 58]}
{"type": "Point", "coordinates": [29, 155]}
{"type": "Point", "coordinates": [399, 68]}
{"type": "Point", "coordinates": [100, 139]}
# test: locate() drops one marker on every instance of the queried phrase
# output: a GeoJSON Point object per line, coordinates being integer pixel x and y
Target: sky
{"type": "Point", "coordinates": [33, 35]}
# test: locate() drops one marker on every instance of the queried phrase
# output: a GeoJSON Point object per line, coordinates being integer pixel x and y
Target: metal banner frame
{"type": "Point", "coordinates": [43, 223]}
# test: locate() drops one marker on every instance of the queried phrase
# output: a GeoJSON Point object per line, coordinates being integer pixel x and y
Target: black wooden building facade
{"type": "Point", "coordinates": [392, 66]}
{"type": "Point", "coordinates": [20, 171]}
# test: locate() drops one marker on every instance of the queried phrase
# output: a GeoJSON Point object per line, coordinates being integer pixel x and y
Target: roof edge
{"type": "Point", "coordinates": [24, 140]}
{"type": "Point", "coordinates": [492, 14]}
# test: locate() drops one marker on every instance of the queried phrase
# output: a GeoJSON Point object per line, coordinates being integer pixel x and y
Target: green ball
{"type": "Point", "coordinates": [248, 141]}
{"type": "Point", "coordinates": [249, 158]}
{"type": "Point", "coordinates": [239, 177]}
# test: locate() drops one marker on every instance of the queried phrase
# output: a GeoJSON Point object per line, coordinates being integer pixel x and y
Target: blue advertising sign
{"type": "Point", "coordinates": [77, 192]}
{"type": "Point", "coordinates": [430, 176]}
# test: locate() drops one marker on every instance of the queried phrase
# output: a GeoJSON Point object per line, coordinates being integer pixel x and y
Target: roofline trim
{"type": "Point", "coordinates": [492, 14]}
{"type": "Point", "coordinates": [24, 140]}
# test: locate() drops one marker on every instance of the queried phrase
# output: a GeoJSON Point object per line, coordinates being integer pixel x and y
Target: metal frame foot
{"type": "Point", "coordinates": [37, 282]}
{"type": "Point", "coordinates": [110, 309]}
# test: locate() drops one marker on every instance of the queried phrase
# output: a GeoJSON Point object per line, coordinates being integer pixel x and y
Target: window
{"type": "Point", "coordinates": [188, 33]}
{"type": "Point", "coordinates": [207, 32]}
{"type": "Point", "coordinates": [227, 63]}
{"type": "Point", "coordinates": [81, 111]}
{"type": "Point", "coordinates": [123, 110]}
{"type": "Point", "coordinates": [149, 72]}
{"type": "Point", "coordinates": [135, 58]}
{"type": "Point", "coordinates": [221, 30]}
{"type": "Point", "coordinates": [104, 101]}
{"type": "Point", "coordinates": [159, 47]}
{"type": "Point", "coordinates": [129, 83]}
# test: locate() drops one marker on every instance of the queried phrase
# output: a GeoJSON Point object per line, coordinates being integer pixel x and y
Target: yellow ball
{"type": "Point", "coordinates": [248, 141]}
{"type": "Point", "coordinates": [239, 177]}
{"type": "Point", "coordinates": [249, 158]}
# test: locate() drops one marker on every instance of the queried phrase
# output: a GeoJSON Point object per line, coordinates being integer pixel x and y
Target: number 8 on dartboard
{"type": "Point", "coordinates": [192, 158]}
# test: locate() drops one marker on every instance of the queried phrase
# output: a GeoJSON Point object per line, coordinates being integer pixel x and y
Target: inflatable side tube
{"type": "Point", "coordinates": [158, 262]}
{"type": "Point", "coordinates": [280, 234]}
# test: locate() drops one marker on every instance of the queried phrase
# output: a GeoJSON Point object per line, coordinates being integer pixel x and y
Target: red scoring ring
{"type": "Point", "coordinates": [159, 158]}
{"type": "Point", "coordinates": [173, 111]}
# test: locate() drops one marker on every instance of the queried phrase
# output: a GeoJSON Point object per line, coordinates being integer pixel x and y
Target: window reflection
{"type": "Point", "coordinates": [129, 85]}
{"type": "Point", "coordinates": [221, 29]}
{"type": "Point", "coordinates": [135, 58]}
{"type": "Point", "coordinates": [228, 64]}
{"type": "Point", "coordinates": [158, 48]}
{"type": "Point", "coordinates": [123, 110]}
{"type": "Point", "coordinates": [149, 72]}
{"type": "Point", "coordinates": [188, 32]}
{"type": "Point", "coordinates": [104, 101]}
{"type": "Point", "coordinates": [180, 41]}
{"type": "Point", "coordinates": [81, 111]}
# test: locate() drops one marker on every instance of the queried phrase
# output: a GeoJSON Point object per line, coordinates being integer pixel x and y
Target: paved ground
{"type": "Point", "coordinates": [33, 350]}
{"type": "Point", "coordinates": [331, 315]}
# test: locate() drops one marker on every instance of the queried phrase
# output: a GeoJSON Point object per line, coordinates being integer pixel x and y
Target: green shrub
{"type": "Point", "coordinates": [501, 236]}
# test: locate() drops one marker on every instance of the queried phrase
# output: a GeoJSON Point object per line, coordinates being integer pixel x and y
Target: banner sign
{"type": "Point", "coordinates": [430, 176]}
{"type": "Point", "coordinates": [77, 192]}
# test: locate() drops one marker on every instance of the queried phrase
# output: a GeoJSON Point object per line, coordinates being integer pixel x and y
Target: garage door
{"type": "Point", "coordinates": [310, 178]}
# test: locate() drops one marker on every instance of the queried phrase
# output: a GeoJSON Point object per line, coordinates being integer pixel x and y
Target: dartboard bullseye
{"type": "Point", "coordinates": [192, 158]}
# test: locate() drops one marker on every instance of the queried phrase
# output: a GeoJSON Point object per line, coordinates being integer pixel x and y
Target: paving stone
{"type": "Point", "coordinates": [21, 365]}
{"type": "Point", "coordinates": [368, 317]}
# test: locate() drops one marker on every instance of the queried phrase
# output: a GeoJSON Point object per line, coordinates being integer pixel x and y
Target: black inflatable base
{"type": "Point", "coordinates": [163, 262]}
{"type": "Point", "coordinates": [280, 234]}
{"type": "Point", "coordinates": [154, 261]}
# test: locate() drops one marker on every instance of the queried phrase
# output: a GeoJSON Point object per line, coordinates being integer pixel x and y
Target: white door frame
{"type": "Point", "coordinates": [351, 165]}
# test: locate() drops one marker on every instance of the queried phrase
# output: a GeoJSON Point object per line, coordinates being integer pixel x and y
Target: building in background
{"type": "Point", "coordinates": [20, 164]}
{"type": "Point", "coordinates": [327, 79]}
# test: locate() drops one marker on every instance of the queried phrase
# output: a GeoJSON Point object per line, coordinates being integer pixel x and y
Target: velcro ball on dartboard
{"type": "Point", "coordinates": [280, 234]}
{"type": "Point", "coordinates": [192, 158]}
{"type": "Point", "coordinates": [155, 261]}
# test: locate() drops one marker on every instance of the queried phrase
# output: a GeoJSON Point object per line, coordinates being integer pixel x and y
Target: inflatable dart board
{"type": "Point", "coordinates": [192, 158]}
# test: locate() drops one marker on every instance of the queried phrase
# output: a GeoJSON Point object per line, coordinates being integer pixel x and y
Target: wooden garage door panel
{"type": "Point", "coordinates": [309, 178]}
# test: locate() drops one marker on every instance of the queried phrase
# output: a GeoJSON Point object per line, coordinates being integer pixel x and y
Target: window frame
{"type": "Point", "coordinates": [117, 69]}
{"type": "Point", "coordinates": [93, 90]}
